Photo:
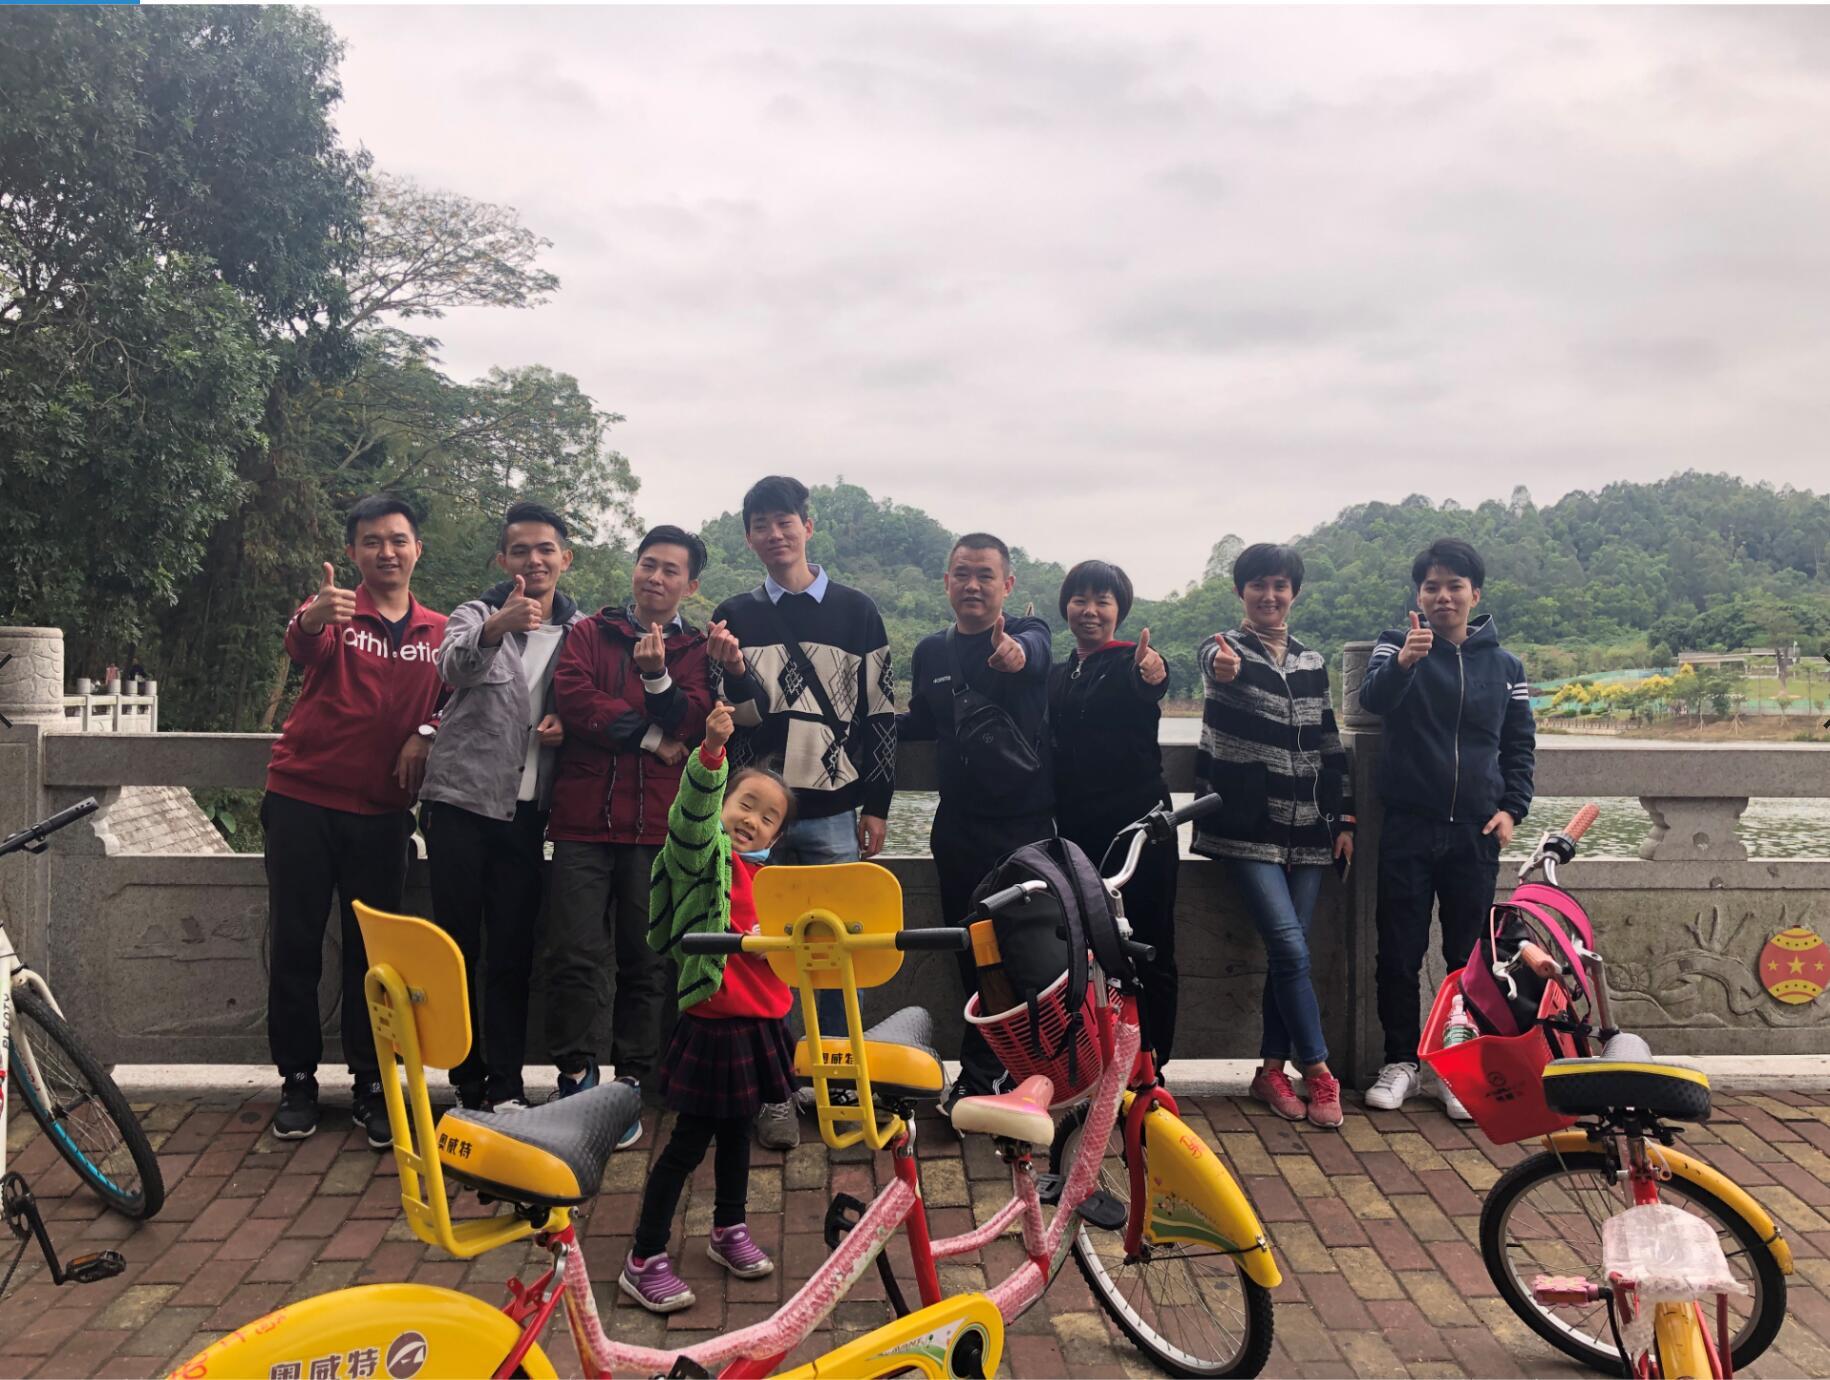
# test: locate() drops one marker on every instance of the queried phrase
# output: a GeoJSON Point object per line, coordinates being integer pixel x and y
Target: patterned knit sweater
{"type": "Point", "coordinates": [690, 883]}
{"type": "Point", "coordinates": [1270, 748]}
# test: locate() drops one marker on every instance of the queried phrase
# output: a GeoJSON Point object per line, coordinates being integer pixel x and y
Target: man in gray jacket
{"type": "Point", "coordinates": [489, 786]}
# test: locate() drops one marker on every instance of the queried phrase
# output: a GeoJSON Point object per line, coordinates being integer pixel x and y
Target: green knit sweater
{"type": "Point", "coordinates": [690, 886]}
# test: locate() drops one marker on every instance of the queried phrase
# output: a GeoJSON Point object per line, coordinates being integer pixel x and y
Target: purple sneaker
{"type": "Point", "coordinates": [654, 1285]}
{"type": "Point", "coordinates": [737, 1251]}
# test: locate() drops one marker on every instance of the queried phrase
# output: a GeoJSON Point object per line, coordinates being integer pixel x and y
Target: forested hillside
{"type": "Point", "coordinates": [1624, 576]}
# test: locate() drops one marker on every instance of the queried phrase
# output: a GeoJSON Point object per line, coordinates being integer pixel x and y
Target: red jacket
{"type": "Point", "coordinates": [750, 987]}
{"type": "Point", "coordinates": [362, 699]}
{"type": "Point", "coordinates": [607, 789]}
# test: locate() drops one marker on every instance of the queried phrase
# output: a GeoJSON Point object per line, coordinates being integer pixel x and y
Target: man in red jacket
{"type": "Point", "coordinates": [342, 776]}
{"type": "Point", "coordinates": [633, 689]}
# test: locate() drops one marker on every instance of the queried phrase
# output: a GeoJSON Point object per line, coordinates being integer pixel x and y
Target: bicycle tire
{"type": "Point", "coordinates": [1766, 1313]}
{"type": "Point", "coordinates": [1108, 1283]}
{"type": "Point", "coordinates": [77, 1084]}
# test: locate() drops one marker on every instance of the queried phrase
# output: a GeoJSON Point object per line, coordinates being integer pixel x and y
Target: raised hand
{"type": "Point", "coordinates": [332, 605]}
{"type": "Point", "coordinates": [518, 614]}
{"type": "Point", "coordinates": [651, 651]}
{"type": "Point", "coordinates": [1225, 667]}
{"type": "Point", "coordinates": [1007, 654]}
{"type": "Point", "coordinates": [721, 646]}
{"type": "Point", "coordinates": [1417, 642]}
{"type": "Point", "coordinates": [718, 727]}
{"type": "Point", "coordinates": [1148, 661]}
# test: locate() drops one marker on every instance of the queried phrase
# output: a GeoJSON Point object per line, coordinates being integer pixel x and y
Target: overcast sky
{"type": "Point", "coordinates": [1116, 283]}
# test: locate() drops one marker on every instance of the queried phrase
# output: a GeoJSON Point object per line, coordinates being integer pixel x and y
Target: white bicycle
{"type": "Point", "coordinates": [69, 1094]}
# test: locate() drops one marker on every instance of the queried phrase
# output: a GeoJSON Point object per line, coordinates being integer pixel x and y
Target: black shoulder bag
{"type": "Point", "coordinates": [999, 760]}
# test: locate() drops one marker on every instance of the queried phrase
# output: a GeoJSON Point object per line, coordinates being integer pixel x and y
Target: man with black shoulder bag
{"type": "Point", "coordinates": [980, 691]}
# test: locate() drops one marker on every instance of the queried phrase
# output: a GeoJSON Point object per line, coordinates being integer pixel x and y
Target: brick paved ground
{"type": "Point", "coordinates": [1375, 1228]}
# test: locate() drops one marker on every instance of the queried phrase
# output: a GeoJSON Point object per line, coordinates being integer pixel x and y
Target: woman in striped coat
{"type": "Point", "coordinates": [1269, 747]}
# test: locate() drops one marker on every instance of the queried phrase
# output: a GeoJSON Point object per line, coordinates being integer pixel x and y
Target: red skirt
{"type": "Point", "coordinates": [727, 1067]}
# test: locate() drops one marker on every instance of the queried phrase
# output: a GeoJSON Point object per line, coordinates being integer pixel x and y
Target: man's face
{"type": "Point", "coordinates": [1446, 599]}
{"type": "Point", "coordinates": [663, 580]}
{"type": "Point", "coordinates": [385, 551]}
{"type": "Point", "coordinates": [779, 539]}
{"type": "Point", "coordinates": [977, 586]}
{"type": "Point", "coordinates": [537, 553]}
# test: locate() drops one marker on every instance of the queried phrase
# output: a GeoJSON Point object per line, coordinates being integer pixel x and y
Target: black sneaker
{"type": "Point", "coordinates": [472, 1097]}
{"type": "Point", "coordinates": [369, 1110]}
{"type": "Point", "coordinates": [298, 1113]}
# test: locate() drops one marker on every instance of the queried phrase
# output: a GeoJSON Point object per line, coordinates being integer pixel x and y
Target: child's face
{"type": "Point", "coordinates": [1446, 599]}
{"type": "Point", "coordinates": [753, 813]}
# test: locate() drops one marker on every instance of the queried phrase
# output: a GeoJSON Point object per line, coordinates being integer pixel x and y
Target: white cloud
{"type": "Point", "coordinates": [1116, 282]}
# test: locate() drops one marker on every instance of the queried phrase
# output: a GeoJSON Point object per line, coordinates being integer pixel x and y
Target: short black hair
{"type": "Point", "coordinates": [779, 493]}
{"type": "Point", "coordinates": [791, 811]}
{"type": "Point", "coordinates": [981, 541]}
{"type": "Point", "coordinates": [1452, 554]}
{"type": "Point", "coordinates": [529, 511]}
{"type": "Point", "coordinates": [669, 535]}
{"type": "Point", "coordinates": [1267, 558]}
{"type": "Point", "coordinates": [378, 506]}
{"type": "Point", "coordinates": [1097, 577]}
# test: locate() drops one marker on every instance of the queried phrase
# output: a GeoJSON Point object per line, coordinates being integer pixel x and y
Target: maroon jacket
{"type": "Point", "coordinates": [607, 789]}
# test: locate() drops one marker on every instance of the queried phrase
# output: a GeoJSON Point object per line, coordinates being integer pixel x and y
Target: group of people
{"type": "Point", "coordinates": [665, 763]}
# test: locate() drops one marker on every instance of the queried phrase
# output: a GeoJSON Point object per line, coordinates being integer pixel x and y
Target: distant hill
{"type": "Point", "coordinates": [1623, 576]}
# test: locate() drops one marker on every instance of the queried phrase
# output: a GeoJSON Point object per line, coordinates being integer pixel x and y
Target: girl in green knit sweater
{"type": "Point", "coordinates": [729, 1053]}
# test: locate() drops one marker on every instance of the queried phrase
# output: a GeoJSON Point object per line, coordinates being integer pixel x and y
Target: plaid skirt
{"type": "Point", "coordinates": [725, 1067]}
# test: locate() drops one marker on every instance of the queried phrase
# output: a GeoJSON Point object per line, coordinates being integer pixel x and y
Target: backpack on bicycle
{"type": "Point", "coordinates": [1043, 943]}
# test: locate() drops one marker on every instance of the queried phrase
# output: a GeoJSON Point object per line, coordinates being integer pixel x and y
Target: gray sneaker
{"type": "Point", "coordinates": [777, 1127]}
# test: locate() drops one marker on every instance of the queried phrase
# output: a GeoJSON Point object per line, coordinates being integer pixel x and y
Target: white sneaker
{"type": "Point", "coordinates": [1394, 1084]}
{"type": "Point", "coordinates": [1452, 1104]}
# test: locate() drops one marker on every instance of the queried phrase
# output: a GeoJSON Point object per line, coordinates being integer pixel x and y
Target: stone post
{"type": "Point", "coordinates": [32, 698]}
{"type": "Point", "coordinates": [32, 683]}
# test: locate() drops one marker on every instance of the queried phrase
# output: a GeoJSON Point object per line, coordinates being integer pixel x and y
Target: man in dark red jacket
{"type": "Point", "coordinates": [342, 776]}
{"type": "Point", "coordinates": [633, 689]}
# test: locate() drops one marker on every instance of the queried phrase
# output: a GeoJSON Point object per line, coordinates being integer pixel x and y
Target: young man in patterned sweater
{"type": "Point", "coordinates": [804, 662]}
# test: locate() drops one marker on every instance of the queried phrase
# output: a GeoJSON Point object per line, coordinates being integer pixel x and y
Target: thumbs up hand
{"type": "Point", "coordinates": [332, 605]}
{"type": "Point", "coordinates": [1417, 642]}
{"type": "Point", "coordinates": [1148, 661]}
{"type": "Point", "coordinates": [1225, 667]}
{"type": "Point", "coordinates": [518, 614]}
{"type": "Point", "coordinates": [1007, 654]}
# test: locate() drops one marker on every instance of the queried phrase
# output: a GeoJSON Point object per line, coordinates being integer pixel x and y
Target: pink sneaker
{"type": "Point", "coordinates": [737, 1251]}
{"type": "Point", "coordinates": [1272, 1087]}
{"type": "Point", "coordinates": [1324, 1100]}
{"type": "Point", "coordinates": [654, 1285]}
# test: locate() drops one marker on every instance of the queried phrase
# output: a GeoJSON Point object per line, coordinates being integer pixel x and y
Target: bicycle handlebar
{"type": "Point", "coordinates": [1580, 823]}
{"type": "Point", "coordinates": [934, 939]}
{"type": "Point", "coordinates": [1197, 808]}
{"type": "Point", "coordinates": [726, 943]}
{"type": "Point", "coordinates": [34, 833]}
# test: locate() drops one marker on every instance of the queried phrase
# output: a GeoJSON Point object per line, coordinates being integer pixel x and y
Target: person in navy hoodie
{"type": "Point", "coordinates": [1456, 779]}
{"type": "Point", "coordinates": [1104, 707]}
{"type": "Point", "coordinates": [342, 777]}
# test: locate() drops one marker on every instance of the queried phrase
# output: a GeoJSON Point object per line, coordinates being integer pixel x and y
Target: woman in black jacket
{"type": "Point", "coordinates": [1103, 706]}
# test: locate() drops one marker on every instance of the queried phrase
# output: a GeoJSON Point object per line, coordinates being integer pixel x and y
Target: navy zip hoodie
{"type": "Point", "coordinates": [1459, 738]}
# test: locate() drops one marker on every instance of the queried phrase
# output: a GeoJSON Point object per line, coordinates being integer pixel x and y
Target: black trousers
{"type": "Point", "coordinates": [1423, 864]}
{"type": "Point", "coordinates": [1150, 906]}
{"type": "Point", "coordinates": [486, 889]}
{"type": "Point", "coordinates": [685, 1151]}
{"type": "Point", "coordinates": [965, 848]}
{"type": "Point", "coordinates": [599, 904]}
{"type": "Point", "coordinates": [313, 852]}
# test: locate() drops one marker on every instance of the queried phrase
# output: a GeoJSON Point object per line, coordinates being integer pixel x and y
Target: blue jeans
{"type": "Point", "coordinates": [813, 843]}
{"type": "Point", "coordinates": [1282, 900]}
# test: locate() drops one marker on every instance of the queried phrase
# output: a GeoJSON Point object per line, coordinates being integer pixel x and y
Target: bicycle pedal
{"type": "Point", "coordinates": [1103, 1210]}
{"type": "Point", "coordinates": [842, 1214]}
{"type": "Point", "coordinates": [687, 1369]}
{"type": "Point", "coordinates": [90, 1269]}
{"type": "Point", "coordinates": [1048, 1188]}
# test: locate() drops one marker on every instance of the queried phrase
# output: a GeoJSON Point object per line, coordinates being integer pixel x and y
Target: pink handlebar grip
{"type": "Point", "coordinates": [1579, 826]}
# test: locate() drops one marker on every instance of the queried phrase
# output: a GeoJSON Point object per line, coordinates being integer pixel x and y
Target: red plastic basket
{"type": "Point", "coordinates": [1500, 1078]}
{"type": "Point", "coordinates": [1008, 1034]}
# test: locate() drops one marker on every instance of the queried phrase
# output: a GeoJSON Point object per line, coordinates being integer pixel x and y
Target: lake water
{"type": "Point", "coordinates": [1776, 828]}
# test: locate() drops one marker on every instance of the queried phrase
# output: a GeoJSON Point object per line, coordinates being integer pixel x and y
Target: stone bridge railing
{"type": "Point", "coordinates": [161, 957]}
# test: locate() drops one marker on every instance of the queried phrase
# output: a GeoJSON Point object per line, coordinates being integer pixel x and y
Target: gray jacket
{"type": "Point", "coordinates": [481, 748]}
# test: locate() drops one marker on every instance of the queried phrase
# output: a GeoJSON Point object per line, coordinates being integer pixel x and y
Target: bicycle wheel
{"type": "Point", "coordinates": [82, 1111]}
{"type": "Point", "coordinates": [1544, 1216]}
{"type": "Point", "coordinates": [1191, 1309]}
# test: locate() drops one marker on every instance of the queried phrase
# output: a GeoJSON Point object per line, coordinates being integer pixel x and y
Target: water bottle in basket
{"type": "Point", "coordinates": [1461, 1027]}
